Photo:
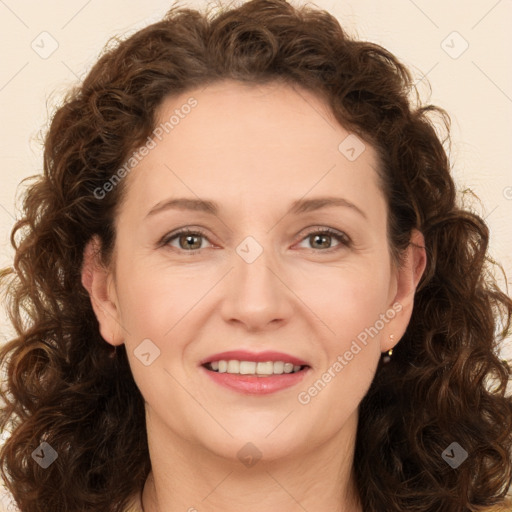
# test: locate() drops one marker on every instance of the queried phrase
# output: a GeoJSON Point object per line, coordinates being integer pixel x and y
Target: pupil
{"type": "Point", "coordinates": [324, 237]}
{"type": "Point", "coordinates": [190, 240]}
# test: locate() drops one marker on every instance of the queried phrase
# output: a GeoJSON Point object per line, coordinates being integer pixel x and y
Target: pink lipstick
{"type": "Point", "coordinates": [255, 373]}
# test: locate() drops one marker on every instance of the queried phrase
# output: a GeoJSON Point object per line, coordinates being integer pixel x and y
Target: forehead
{"type": "Point", "coordinates": [229, 113]}
{"type": "Point", "coordinates": [270, 141]}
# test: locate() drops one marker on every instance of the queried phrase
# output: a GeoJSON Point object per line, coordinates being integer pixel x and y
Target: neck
{"type": "Point", "coordinates": [187, 478]}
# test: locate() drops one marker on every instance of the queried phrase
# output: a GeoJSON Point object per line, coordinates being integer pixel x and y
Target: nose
{"type": "Point", "coordinates": [255, 293]}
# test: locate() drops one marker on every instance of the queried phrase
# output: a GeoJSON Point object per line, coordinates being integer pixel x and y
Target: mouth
{"type": "Point", "coordinates": [254, 368]}
{"type": "Point", "coordinates": [255, 373]}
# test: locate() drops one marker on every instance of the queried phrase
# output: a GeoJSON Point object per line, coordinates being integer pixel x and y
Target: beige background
{"type": "Point", "coordinates": [475, 85]}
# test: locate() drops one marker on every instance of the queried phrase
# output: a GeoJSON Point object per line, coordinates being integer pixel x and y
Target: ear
{"type": "Point", "coordinates": [408, 276]}
{"type": "Point", "coordinates": [99, 282]}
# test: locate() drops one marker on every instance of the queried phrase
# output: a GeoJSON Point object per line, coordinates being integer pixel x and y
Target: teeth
{"type": "Point", "coordinates": [288, 367]}
{"type": "Point", "coordinates": [278, 367]}
{"type": "Point", "coordinates": [265, 368]}
{"type": "Point", "coordinates": [261, 369]}
{"type": "Point", "coordinates": [247, 367]}
{"type": "Point", "coordinates": [233, 367]}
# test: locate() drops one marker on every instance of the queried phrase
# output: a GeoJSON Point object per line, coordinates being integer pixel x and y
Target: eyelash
{"type": "Point", "coordinates": [341, 237]}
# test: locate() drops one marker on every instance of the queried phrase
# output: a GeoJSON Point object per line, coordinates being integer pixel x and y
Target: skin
{"type": "Point", "coordinates": [253, 150]}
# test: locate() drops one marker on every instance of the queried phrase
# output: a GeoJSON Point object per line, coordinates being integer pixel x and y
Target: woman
{"type": "Point", "coordinates": [249, 285]}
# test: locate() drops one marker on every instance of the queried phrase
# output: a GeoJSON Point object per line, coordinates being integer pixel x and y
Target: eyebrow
{"type": "Point", "coordinates": [297, 207]}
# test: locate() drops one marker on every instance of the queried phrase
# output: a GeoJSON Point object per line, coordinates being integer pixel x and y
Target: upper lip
{"type": "Point", "coordinates": [244, 355]}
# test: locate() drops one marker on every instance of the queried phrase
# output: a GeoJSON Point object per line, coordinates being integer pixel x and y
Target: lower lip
{"type": "Point", "coordinates": [252, 385]}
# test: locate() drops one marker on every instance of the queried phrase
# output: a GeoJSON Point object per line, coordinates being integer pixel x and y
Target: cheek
{"type": "Point", "coordinates": [153, 301]}
{"type": "Point", "coordinates": [352, 310]}
{"type": "Point", "coordinates": [153, 312]}
{"type": "Point", "coordinates": [347, 299]}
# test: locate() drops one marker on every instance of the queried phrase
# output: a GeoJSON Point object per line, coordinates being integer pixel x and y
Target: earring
{"type": "Point", "coordinates": [387, 357]}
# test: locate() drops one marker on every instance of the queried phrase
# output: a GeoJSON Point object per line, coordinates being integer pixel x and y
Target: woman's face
{"type": "Point", "coordinates": [249, 168]}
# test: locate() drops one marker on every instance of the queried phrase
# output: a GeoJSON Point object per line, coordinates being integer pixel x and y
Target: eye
{"type": "Point", "coordinates": [190, 240]}
{"type": "Point", "coordinates": [323, 237]}
{"type": "Point", "coordinates": [187, 240]}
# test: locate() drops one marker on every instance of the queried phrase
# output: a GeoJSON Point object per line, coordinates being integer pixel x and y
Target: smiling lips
{"type": "Point", "coordinates": [242, 371]}
{"type": "Point", "coordinates": [261, 369]}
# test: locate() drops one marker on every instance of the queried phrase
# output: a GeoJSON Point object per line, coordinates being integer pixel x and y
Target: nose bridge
{"type": "Point", "coordinates": [255, 265]}
{"type": "Point", "coordinates": [255, 293]}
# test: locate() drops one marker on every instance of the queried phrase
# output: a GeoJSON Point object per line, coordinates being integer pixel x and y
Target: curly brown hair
{"type": "Point", "coordinates": [445, 381]}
